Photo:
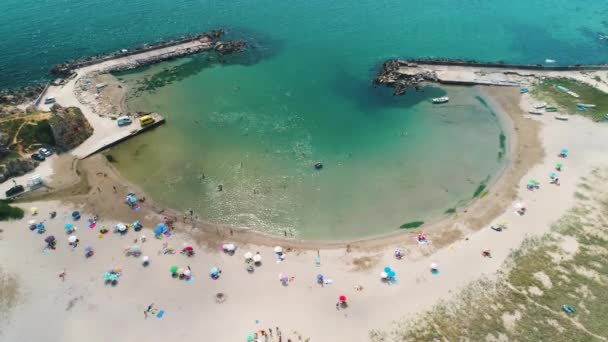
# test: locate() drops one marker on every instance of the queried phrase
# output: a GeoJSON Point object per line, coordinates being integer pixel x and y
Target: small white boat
{"type": "Point", "coordinates": [536, 112]}
{"type": "Point", "coordinates": [586, 105]}
{"type": "Point", "coordinates": [49, 100]}
{"type": "Point", "coordinates": [540, 105]}
{"type": "Point", "coordinates": [550, 61]}
{"type": "Point", "coordinates": [573, 94]}
{"type": "Point", "coordinates": [439, 100]}
{"type": "Point", "coordinates": [562, 117]}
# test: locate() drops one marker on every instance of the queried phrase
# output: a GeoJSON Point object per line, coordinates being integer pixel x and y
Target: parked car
{"type": "Point", "coordinates": [45, 152]}
{"type": "Point", "coordinates": [17, 189]}
{"type": "Point", "coordinates": [38, 157]}
{"type": "Point", "coordinates": [146, 120]}
{"type": "Point", "coordinates": [124, 121]}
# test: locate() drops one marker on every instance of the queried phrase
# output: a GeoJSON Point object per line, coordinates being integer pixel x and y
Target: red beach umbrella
{"type": "Point", "coordinates": [342, 299]}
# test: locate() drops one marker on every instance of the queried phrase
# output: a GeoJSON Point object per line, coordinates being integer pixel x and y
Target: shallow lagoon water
{"type": "Point", "coordinates": [387, 160]}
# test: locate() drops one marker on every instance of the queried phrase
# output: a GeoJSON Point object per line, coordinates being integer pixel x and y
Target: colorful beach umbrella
{"type": "Point", "coordinates": [383, 275]}
{"type": "Point", "coordinates": [319, 277]}
{"type": "Point", "coordinates": [72, 239]}
{"type": "Point", "coordinates": [342, 299]}
{"type": "Point", "coordinates": [387, 269]}
{"type": "Point", "coordinates": [49, 239]}
{"type": "Point", "coordinates": [88, 248]}
{"type": "Point", "coordinates": [187, 273]}
{"type": "Point", "coordinates": [76, 214]}
{"type": "Point", "coordinates": [278, 249]}
{"type": "Point", "coordinates": [564, 151]}
{"type": "Point", "coordinates": [257, 258]}
{"type": "Point", "coordinates": [68, 226]}
{"type": "Point", "coordinates": [173, 269]}
{"type": "Point", "coordinates": [434, 266]}
{"type": "Point", "coordinates": [559, 165]}
{"type": "Point", "coordinates": [214, 270]}
{"type": "Point", "coordinates": [250, 337]}
{"type": "Point", "coordinates": [248, 256]}
{"type": "Point", "coordinates": [106, 275]}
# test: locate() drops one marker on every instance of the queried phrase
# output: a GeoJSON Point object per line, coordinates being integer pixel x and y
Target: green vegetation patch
{"type": "Point", "coordinates": [547, 91]}
{"type": "Point", "coordinates": [413, 224]}
{"type": "Point", "coordinates": [36, 133]}
{"type": "Point", "coordinates": [565, 267]}
{"type": "Point", "coordinates": [450, 211]}
{"type": "Point", "coordinates": [10, 128]}
{"type": "Point", "coordinates": [8, 212]}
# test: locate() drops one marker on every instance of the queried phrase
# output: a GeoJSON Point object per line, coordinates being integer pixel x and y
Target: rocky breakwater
{"type": "Point", "coordinates": [154, 53]}
{"type": "Point", "coordinates": [402, 75]}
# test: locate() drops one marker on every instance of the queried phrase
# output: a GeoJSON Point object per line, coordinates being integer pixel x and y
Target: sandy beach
{"type": "Point", "coordinates": [83, 306]}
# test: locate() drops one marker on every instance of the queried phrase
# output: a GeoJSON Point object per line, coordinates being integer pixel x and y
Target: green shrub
{"type": "Point", "coordinates": [8, 212]}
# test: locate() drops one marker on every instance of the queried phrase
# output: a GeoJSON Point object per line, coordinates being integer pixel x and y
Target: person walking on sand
{"type": "Point", "coordinates": [62, 275]}
{"type": "Point", "coordinates": [145, 314]}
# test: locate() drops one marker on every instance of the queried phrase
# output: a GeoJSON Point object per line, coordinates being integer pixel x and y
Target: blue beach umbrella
{"type": "Point", "coordinates": [39, 226]}
{"type": "Point", "coordinates": [160, 229]}
{"type": "Point", "coordinates": [75, 215]}
{"type": "Point", "coordinates": [319, 277]}
{"type": "Point", "coordinates": [387, 269]}
{"type": "Point", "coordinates": [68, 226]}
{"type": "Point", "coordinates": [553, 174]}
{"type": "Point", "coordinates": [214, 270]}
{"type": "Point", "coordinates": [392, 274]}
{"type": "Point", "coordinates": [564, 151]}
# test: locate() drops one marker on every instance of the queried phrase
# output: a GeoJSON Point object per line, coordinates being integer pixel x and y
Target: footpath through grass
{"type": "Point", "coordinates": [565, 267]}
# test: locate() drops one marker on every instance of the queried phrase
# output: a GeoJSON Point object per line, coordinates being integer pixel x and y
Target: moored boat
{"type": "Point", "coordinates": [536, 112]}
{"type": "Point", "coordinates": [540, 105]}
{"type": "Point", "coordinates": [562, 117]}
{"type": "Point", "coordinates": [586, 105]}
{"type": "Point", "coordinates": [573, 94]}
{"type": "Point", "coordinates": [549, 61]}
{"type": "Point", "coordinates": [550, 109]}
{"type": "Point", "coordinates": [523, 90]}
{"type": "Point", "coordinates": [442, 99]}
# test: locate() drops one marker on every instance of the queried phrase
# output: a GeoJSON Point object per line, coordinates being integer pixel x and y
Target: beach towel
{"type": "Point", "coordinates": [160, 314]}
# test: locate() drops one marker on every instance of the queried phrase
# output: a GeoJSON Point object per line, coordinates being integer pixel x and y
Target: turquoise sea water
{"type": "Point", "coordinates": [257, 122]}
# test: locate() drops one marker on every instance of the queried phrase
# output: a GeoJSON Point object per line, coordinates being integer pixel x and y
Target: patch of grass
{"type": "Point", "coordinates": [8, 212]}
{"type": "Point", "coordinates": [10, 128]}
{"type": "Point", "coordinates": [36, 133]}
{"type": "Point", "coordinates": [547, 91]}
{"type": "Point", "coordinates": [564, 267]}
{"type": "Point", "coordinates": [413, 224]}
{"type": "Point", "coordinates": [450, 211]}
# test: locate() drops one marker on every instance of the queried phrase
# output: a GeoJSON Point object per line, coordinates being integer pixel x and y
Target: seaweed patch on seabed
{"type": "Point", "coordinates": [502, 139]}
{"type": "Point", "coordinates": [551, 288]}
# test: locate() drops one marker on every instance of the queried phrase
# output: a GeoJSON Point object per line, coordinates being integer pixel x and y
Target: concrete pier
{"type": "Point", "coordinates": [119, 135]}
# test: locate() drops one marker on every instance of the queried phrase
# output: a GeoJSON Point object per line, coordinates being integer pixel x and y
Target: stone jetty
{"type": "Point", "coordinates": [404, 74]}
{"type": "Point", "coordinates": [153, 53]}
